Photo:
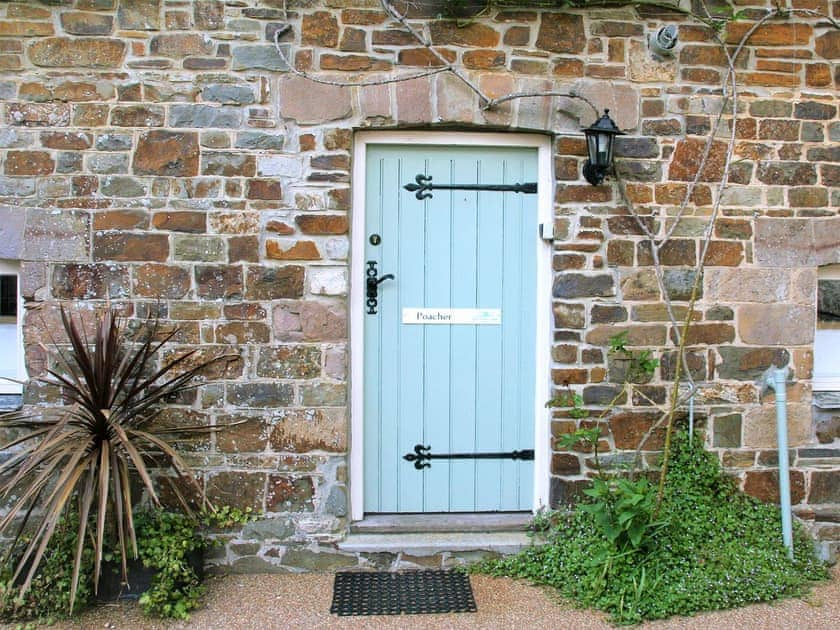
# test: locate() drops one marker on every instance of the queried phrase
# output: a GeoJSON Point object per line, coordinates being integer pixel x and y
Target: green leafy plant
{"type": "Point", "coordinates": [171, 544]}
{"type": "Point", "coordinates": [573, 401]}
{"type": "Point", "coordinates": [621, 508]}
{"type": "Point", "coordinates": [717, 548]}
{"type": "Point", "coordinates": [87, 453]}
{"type": "Point", "coordinates": [48, 596]}
{"type": "Point", "coordinates": [642, 363]}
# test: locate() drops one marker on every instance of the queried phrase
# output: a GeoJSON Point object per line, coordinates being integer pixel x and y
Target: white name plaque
{"type": "Point", "coordinates": [452, 316]}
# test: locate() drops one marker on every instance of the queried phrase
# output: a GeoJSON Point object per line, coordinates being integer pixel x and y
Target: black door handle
{"type": "Point", "coordinates": [372, 284]}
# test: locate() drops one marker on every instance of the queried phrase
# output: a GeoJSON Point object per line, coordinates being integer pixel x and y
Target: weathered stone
{"type": "Point", "coordinates": [260, 394]}
{"type": "Point", "coordinates": [825, 487]}
{"type": "Point", "coordinates": [28, 163]}
{"type": "Point", "coordinates": [749, 364]}
{"type": "Point", "coordinates": [66, 141]}
{"type": "Point", "coordinates": [289, 494]}
{"type": "Point", "coordinates": [138, 116]}
{"type": "Point", "coordinates": [629, 428]}
{"type": "Point", "coordinates": [305, 430]}
{"type": "Point", "coordinates": [310, 103]}
{"type": "Point", "coordinates": [38, 115]}
{"type": "Point", "coordinates": [565, 464]}
{"type": "Point", "coordinates": [639, 335]}
{"type": "Point", "coordinates": [290, 362]}
{"type": "Point", "coordinates": [65, 52]}
{"type": "Point", "coordinates": [56, 235]}
{"type": "Point", "coordinates": [322, 223]}
{"type": "Point", "coordinates": [228, 164]}
{"type": "Point", "coordinates": [123, 187]}
{"type": "Point", "coordinates": [566, 492]}
{"type": "Point", "coordinates": [192, 222]}
{"type": "Point", "coordinates": [764, 485]}
{"type": "Point", "coordinates": [640, 285]}
{"type": "Point", "coordinates": [727, 431]}
{"type": "Point", "coordinates": [784, 242]}
{"type": "Point", "coordinates": [25, 29]}
{"type": "Point", "coordinates": [236, 489]}
{"type": "Point", "coordinates": [228, 94]}
{"type": "Point", "coordinates": [320, 322]}
{"type": "Point", "coordinates": [707, 334]}
{"type": "Point", "coordinates": [204, 248]}
{"type": "Point", "coordinates": [259, 140]}
{"type": "Point", "coordinates": [86, 281]}
{"type": "Point", "coordinates": [113, 142]}
{"type": "Point", "coordinates": [569, 315]}
{"type": "Point", "coordinates": [622, 101]}
{"type": "Point", "coordinates": [259, 57]}
{"type": "Point", "coordinates": [571, 285]}
{"type": "Point", "coordinates": [688, 156]}
{"type": "Point", "coordinates": [170, 153]}
{"type": "Point", "coordinates": [250, 565]}
{"type": "Point", "coordinates": [108, 164]}
{"type": "Point", "coordinates": [605, 313]}
{"type": "Point", "coordinates": [326, 560]}
{"type": "Point", "coordinates": [161, 281]}
{"type": "Point", "coordinates": [218, 281]}
{"type": "Point", "coordinates": [136, 247]}
{"type": "Point", "coordinates": [812, 110]}
{"type": "Point", "coordinates": [631, 225]}
{"type": "Point", "coordinates": [86, 23]}
{"type": "Point", "coordinates": [178, 45]}
{"type": "Point", "coordinates": [139, 15]}
{"type": "Point", "coordinates": [680, 282]}
{"type": "Point", "coordinates": [827, 45]}
{"type": "Point", "coordinates": [205, 116]}
{"type": "Point", "coordinates": [787, 173]}
{"type": "Point", "coordinates": [271, 283]}
{"type": "Point", "coordinates": [268, 529]}
{"type": "Point", "coordinates": [636, 147]}
{"type": "Point", "coordinates": [266, 189]}
{"type": "Point", "coordinates": [775, 324]}
{"type": "Point", "coordinates": [561, 33]}
{"type": "Point", "coordinates": [209, 15]}
{"type": "Point", "coordinates": [604, 395]}
{"type": "Point", "coordinates": [278, 166]}
{"type": "Point", "coordinates": [771, 108]}
{"type": "Point", "coordinates": [759, 429]}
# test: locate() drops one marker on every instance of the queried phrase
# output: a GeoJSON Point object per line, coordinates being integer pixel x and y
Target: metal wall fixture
{"type": "Point", "coordinates": [600, 142]}
{"type": "Point", "coordinates": [423, 187]}
{"type": "Point", "coordinates": [663, 42]}
{"type": "Point", "coordinates": [422, 455]}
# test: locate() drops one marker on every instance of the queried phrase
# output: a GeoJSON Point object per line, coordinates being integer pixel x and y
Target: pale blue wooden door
{"type": "Point", "coordinates": [457, 388]}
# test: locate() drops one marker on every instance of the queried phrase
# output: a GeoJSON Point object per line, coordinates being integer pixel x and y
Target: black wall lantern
{"type": "Point", "coordinates": [600, 140]}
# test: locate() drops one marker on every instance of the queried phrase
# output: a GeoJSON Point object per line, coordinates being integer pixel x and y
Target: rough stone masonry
{"type": "Point", "coordinates": [160, 155]}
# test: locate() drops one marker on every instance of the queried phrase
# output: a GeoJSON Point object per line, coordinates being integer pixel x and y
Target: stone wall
{"type": "Point", "coordinates": [160, 154]}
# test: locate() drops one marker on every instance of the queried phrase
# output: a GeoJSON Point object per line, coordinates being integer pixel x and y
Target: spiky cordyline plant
{"type": "Point", "coordinates": [85, 455]}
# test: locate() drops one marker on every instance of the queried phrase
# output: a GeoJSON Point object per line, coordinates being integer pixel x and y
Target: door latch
{"type": "Point", "coordinates": [373, 282]}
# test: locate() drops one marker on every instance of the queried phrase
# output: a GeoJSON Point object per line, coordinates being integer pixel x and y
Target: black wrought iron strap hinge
{"type": "Point", "coordinates": [424, 186]}
{"type": "Point", "coordinates": [422, 454]}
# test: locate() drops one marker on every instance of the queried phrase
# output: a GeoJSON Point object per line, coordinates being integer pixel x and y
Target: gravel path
{"type": "Point", "coordinates": [243, 602]}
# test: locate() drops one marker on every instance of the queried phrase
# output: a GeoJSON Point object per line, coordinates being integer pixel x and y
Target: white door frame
{"type": "Point", "coordinates": [545, 197]}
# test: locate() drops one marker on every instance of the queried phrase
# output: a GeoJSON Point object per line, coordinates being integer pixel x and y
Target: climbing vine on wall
{"type": "Point", "coordinates": [716, 14]}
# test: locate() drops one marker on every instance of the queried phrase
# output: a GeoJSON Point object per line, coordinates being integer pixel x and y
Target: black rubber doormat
{"type": "Point", "coordinates": [407, 593]}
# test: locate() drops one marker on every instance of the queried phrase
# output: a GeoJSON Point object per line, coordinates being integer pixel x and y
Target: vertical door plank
{"type": "Point", "coordinates": [464, 338]}
{"type": "Point", "coordinates": [489, 373]}
{"type": "Point", "coordinates": [412, 338]}
{"type": "Point", "coordinates": [373, 370]}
